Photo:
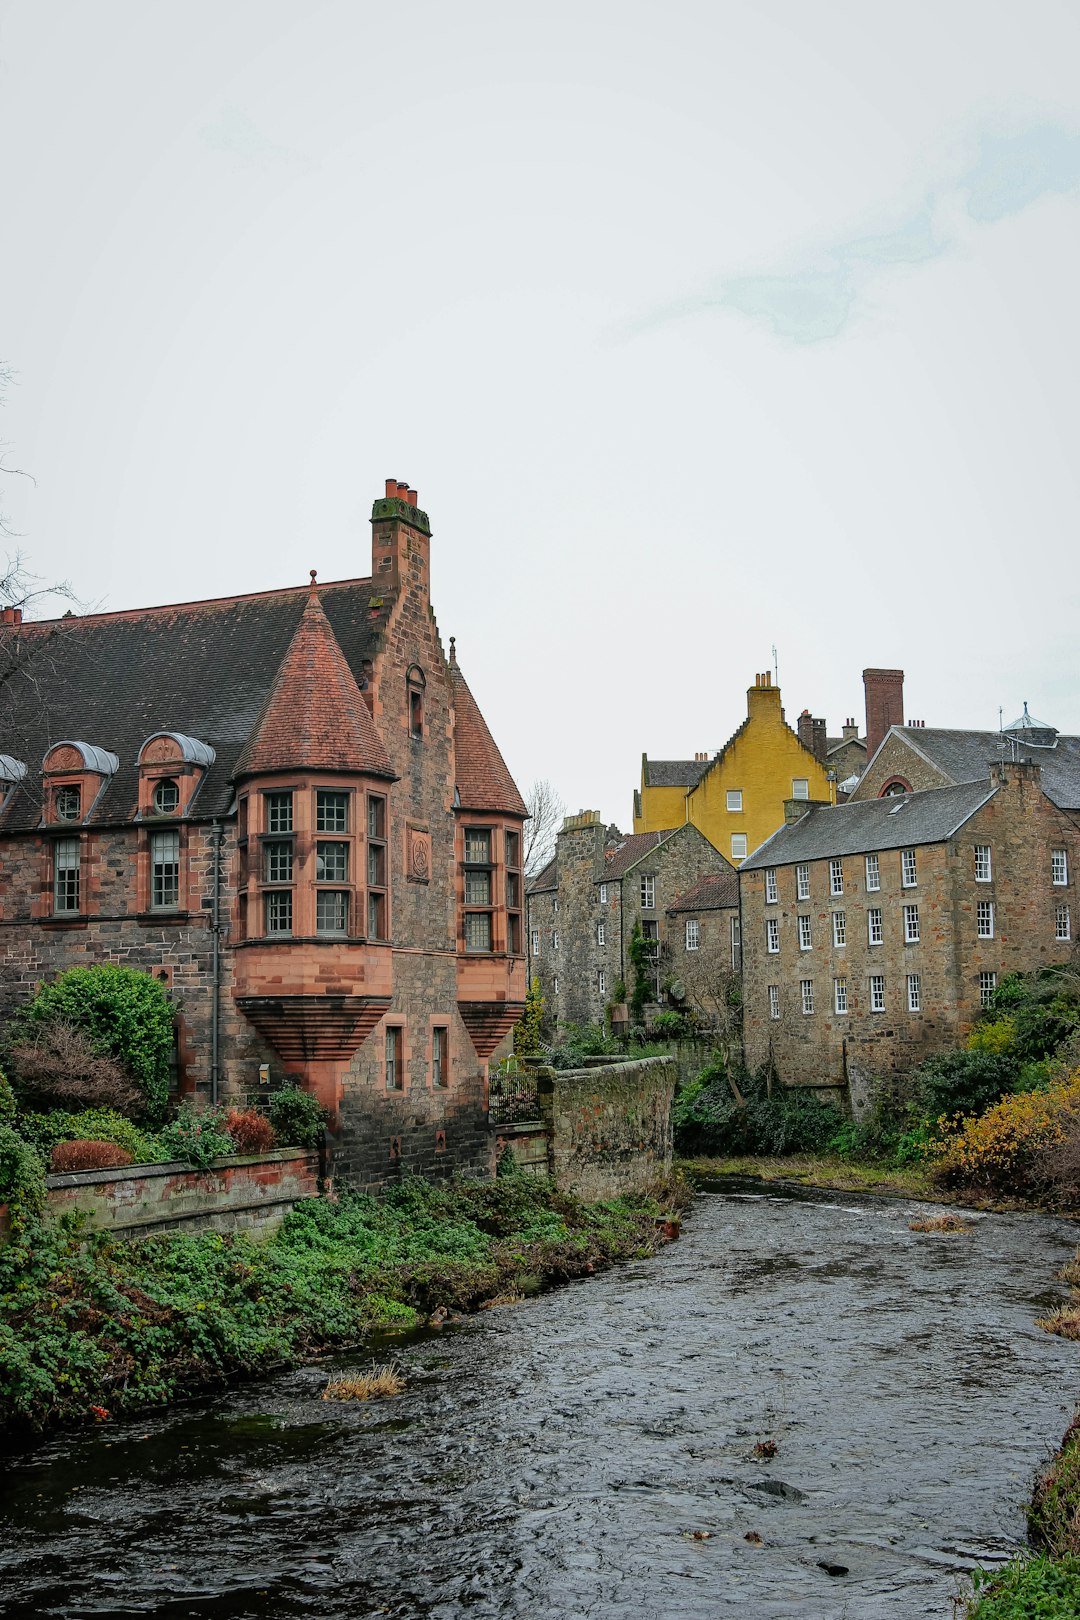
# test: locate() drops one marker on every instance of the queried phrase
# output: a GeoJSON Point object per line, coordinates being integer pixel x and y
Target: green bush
{"type": "Point", "coordinates": [126, 1014]}
{"type": "Point", "coordinates": [708, 1119]}
{"type": "Point", "coordinates": [298, 1118]}
{"type": "Point", "coordinates": [962, 1082]}
{"type": "Point", "coordinates": [22, 1173]}
{"type": "Point", "coordinates": [7, 1101]}
{"type": "Point", "coordinates": [1027, 1589]}
{"type": "Point", "coordinates": [197, 1135]}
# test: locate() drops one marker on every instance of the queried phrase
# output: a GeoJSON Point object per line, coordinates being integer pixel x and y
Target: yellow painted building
{"type": "Point", "coordinates": [736, 798]}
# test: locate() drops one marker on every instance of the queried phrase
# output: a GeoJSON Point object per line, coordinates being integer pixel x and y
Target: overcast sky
{"type": "Point", "coordinates": [701, 329]}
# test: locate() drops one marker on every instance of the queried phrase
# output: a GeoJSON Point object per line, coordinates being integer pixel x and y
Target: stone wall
{"type": "Point", "coordinates": [610, 1125]}
{"type": "Point", "coordinates": [241, 1194]}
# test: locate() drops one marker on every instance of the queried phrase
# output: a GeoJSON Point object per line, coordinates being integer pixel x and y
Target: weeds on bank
{"type": "Point", "coordinates": [87, 1320]}
{"type": "Point", "coordinates": [940, 1223]}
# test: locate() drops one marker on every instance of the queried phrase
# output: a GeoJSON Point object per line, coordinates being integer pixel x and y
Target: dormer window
{"type": "Point", "coordinates": [166, 798]}
{"type": "Point", "coordinates": [172, 768]}
{"type": "Point", "coordinates": [416, 682]}
{"type": "Point", "coordinates": [68, 803]}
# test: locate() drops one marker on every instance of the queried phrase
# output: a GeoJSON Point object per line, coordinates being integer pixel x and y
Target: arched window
{"type": "Point", "coordinates": [894, 788]}
{"type": "Point", "coordinates": [415, 684]}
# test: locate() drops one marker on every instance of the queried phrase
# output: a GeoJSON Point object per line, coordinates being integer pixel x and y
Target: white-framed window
{"type": "Point", "coordinates": [914, 999]}
{"type": "Point", "coordinates": [774, 1001]}
{"type": "Point", "coordinates": [770, 885]}
{"type": "Point", "coordinates": [535, 941]}
{"type": "Point", "coordinates": [984, 919]}
{"type": "Point", "coordinates": [804, 931]}
{"type": "Point", "coordinates": [738, 846]}
{"type": "Point", "coordinates": [601, 934]}
{"type": "Point", "coordinates": [836, 877]}
{"type": "Point", "coordinates": [983, 867]}
{"type": "Point", "coordinates": [395, 1068]}
{"type": "Point", "coordinates": [555, 985]}
{"type": "Point", "coordinates": [908, 874]}
{"type": "Point", "coordinates": [165, 870]}
{"type": "Point", "coordinates": [554, 939]}
{"type": "Point", "coordinates": [736, 944]}
{"type": "Point", "coordinates": [802, 881]}
{"type": "Point", "coordinates": [440, 1047]}
{"type": "Point", "coordinates": [911, 925]}
{"type": "Point", "coordinates": [648, 892]}
{"type": "Point", "coordinates": [1062, 927]}
{"type": "Point", "coordinates": [839, 928]}
{"type": "Point", "coordinates": [987, 986]}
{"type": "Point", "coordinates": [874, 932]}
{"type": "Point", "coordinates": [873, 873]}
{"type": "Point", "coordinates": [840, 995]}
{"type": "Point", "coordinates": [601, 981]}
{"type": "Point", "coordinates": [806, 990]}
{"type": "Point", "coordinates": [554, 905]}
{"type": "Point", "coordinates": [877, 992]}
{"type": "Point", "coordinates": [800, 787]}
{"type": "Point", "coordinates": [693, 933]}
{"type": "Point", "coordinates": [1059, 865]}
{"type": "Point", "coordinates": [772, 935]}
{"type": "Point", "coordinates": [65, 861]}
{"type": "Point", "coordinates": [734, 798]}
{"type": "Point", "coordinates": [603, 894]}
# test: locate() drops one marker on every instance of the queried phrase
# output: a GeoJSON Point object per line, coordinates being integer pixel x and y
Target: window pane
{"type": "Point", "coordinates": [331, 911]}
{"type": "Point", "coordinates": [513, 849]}
{"type": "Point", "coordinates": [165, 871]}
{"type": "Point", "coordinates": [279, 812]}
{"type": "Point", "coordinates": [68, 803]}
{"type": "Point", "coordinates": [477, 844]}
{"type": "Point", "coordinates": [331, 811]}
{"type": "Point", "coordinates": [376, 818]}
{"type": "Point", "coordinates": [331, 862]}
{"type": "Point", "coordinates": [477, 888]}
{"type": "Point", "coordinates": [478, 931]}
{"type": "Point", "coordinates": [439, 1039]}
{"type": "Point", "coordinates": [278, 912]}
{"type": "Point", "coordinates": [279, 862]}
{"type": "Point", "coordinates": [66, 874]}
{"type": "Point", "coordinates": [376, 911]}
{"type": "Point", "coordinates": [166, 798]}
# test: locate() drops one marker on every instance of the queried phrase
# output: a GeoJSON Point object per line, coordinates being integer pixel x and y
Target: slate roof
{"type": "Point", "coordinates": [674, 772]}
{"type": "Point", "coordinates": [857, 828]}
{"type": "Point", "coordinates": [483, 780]}
{"type": "Point", "coordinates": [204, 669]}
{"type": "Point", "coordinates": [546, 878]}
{"type": "Point", "coordinates": [965, 756]}
{"type": "Point", "coordinates": [619, 860]}
{"type": "Point", "coordinates": [315, 715]}
{"type": "Point", "coordinates": [717, 891]}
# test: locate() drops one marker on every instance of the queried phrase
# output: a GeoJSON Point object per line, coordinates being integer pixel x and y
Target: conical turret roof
{"type": "Point", "coordinates": [315, 715]}
{"type": "Point", "coordinates": [481, 776]}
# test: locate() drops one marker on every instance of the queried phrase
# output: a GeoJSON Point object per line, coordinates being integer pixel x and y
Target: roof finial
{"type": "Point", "coordinates": [313, 592]}
{"type": "Point", "coordinates": [453, 649]}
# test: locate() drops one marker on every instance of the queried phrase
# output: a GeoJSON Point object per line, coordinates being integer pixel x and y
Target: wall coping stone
{"type": "Point", "coordinates": [170, 1167]}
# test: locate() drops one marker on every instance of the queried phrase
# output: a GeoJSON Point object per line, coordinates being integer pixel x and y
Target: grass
{"type": "Point", "coordinates": [374, 1385]}
{"type": "Point", "coordinates": [822, 1170]}
{"type": "Point", "coordinates": [940, 1223]}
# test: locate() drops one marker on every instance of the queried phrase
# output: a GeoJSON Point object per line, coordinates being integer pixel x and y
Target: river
{"type": "Point", "coordinates": [591, 1452]}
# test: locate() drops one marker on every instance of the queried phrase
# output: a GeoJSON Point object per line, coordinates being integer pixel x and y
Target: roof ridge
{"type": "Point", "coordinates": [198, 602]}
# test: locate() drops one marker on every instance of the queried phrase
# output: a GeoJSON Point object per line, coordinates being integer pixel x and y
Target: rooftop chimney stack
{"type": "Point", "coordinates": [884, 689]}
{"type": "Point", "coordinates": [812, 736]}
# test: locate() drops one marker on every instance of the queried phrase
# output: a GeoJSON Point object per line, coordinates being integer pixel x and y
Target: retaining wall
{"type": "Point", "coordinates": [609, 1125]}
{"type": "Point", "coordinates": [234, 1194]}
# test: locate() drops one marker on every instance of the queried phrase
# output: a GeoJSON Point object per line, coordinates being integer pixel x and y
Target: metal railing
{"type": "Point", "coordinates": [512, 1096]}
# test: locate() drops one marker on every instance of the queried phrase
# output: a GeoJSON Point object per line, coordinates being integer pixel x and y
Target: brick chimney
{"type": "Point", "coordinates": [812, 735]}
{"type": "Point", "coordinates": [400, 540]}
{"type": "Point", "coordinates": [884, 690]}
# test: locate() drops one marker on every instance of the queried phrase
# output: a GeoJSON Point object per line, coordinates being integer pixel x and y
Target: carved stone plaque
{"type": "Point", "coordinates": [417, 854]}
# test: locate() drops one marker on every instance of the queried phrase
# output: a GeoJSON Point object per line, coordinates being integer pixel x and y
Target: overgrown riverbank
{"type": "Point", "coordinates": [91, 1325]}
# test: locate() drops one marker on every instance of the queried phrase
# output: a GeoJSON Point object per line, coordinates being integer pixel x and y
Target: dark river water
{"type": "Point", "coordinates": [590, 1452]}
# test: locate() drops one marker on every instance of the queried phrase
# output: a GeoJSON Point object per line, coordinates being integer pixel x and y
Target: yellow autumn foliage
{"type": "Point", "coordinates": [995, 1150]}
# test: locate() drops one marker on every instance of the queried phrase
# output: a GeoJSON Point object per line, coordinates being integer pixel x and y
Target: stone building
{"type": "Point", "coordinates": [288, 807]}
{"type": "Point", "coordinates": [915, 757]}
{"type": "Point", "coordinates": [583, 906]}
{"type": "Point", "coordinates": [705, 944]}
{"type": "Point", "coordinates": [873, 933]}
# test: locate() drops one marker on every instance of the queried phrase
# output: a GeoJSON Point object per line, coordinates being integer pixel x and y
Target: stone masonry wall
{"type": "Point", "coordinates": [242, 1194]}
{"type": "Point", "coordinates": [610, 1125]}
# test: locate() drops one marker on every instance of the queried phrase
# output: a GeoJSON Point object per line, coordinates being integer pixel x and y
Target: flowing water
{"type": "Point", "coordinates": [591, 1452]}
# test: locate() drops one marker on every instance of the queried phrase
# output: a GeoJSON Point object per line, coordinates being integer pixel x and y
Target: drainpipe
{"type": "Point", "coordinates": [216, 836]}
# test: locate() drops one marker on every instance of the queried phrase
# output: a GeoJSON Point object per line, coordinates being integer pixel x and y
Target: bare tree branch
{"type": "Point", "coordinates": [546, 812]}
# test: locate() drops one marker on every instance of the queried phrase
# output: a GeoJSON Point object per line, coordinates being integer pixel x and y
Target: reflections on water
{"type": "Point", "coordinates": [591, 1452]}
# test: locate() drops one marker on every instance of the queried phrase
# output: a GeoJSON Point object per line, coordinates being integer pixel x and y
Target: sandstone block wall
{"type": "Point", "coordinates": [610, 1125]}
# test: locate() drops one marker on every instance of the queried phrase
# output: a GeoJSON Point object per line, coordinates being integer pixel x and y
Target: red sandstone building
{"type": "Point", "coordinates": [287, 806]}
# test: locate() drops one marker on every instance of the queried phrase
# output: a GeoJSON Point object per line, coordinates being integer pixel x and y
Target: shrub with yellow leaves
{"type": "Point", "coordinates": [996, 1151]}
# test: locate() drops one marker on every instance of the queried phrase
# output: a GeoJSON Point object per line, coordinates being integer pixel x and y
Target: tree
{"type": "Point", "coordinates": [546, 812]}
{"type": "Point", "coordinates": [713, 987]}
